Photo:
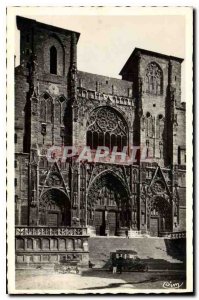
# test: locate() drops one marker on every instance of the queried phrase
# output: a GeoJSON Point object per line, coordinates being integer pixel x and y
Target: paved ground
{"type": "Point", "coordinates": [98, 280]}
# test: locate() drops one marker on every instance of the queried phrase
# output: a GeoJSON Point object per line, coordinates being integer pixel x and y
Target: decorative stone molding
{"type": "Point", "coordinates": [47, 231]}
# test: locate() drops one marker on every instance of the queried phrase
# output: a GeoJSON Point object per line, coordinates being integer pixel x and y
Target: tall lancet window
{"type": "Point", "coordinates": [53, 60]}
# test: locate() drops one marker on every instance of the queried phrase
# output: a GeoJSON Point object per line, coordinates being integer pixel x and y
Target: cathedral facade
{"type": "Point", "coordinates": [58, 106]}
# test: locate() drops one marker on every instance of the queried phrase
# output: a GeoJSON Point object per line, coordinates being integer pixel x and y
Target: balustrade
{"type": "Point", "coordinates": [50, 231]}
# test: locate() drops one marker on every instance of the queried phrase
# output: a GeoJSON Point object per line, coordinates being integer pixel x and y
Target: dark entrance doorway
{"type": "Point", "coordinates": [108, 204]}
{"type": "Point", "coordinates": [160, 216]}
{"type": "Point", "coordinates": [54, 209]}
{"type": "Point", "coordinates": [99, 222]}
{"type": "Point", "coordinates": [105, 221]}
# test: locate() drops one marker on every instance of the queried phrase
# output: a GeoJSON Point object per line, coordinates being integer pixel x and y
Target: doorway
{"type": "Point", "coordinates": [105, 221]}
{"type": "Point", "coordinates": [154, 226]}
{"type": "Point", "coordinates": [55, 209]}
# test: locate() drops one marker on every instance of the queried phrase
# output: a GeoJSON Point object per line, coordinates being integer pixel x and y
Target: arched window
{"type": "Point", "coordinates": [20, 243]}
{"type": "Point", "coordinates": [159, 126]}
{"type": "Point", "coordinates": [113, 141]}
{"type": "Point", "coordinates": [53, 60]}
{"type": "Point", "coordinates": [49, 110]}
{"type": "Point", "coordinates": [149, 125]}
{"type": "Point", "coordinates": [94, 140]}
{"type": "Point", "coordinates": [43, 110]}
{"type": "Point", "coordinates": [57, 107]}
{"type": "Point", "coordinates": [154, 79]}
{"type": "Point", "coordinates": [106, 127]}
{"type": "Point", "coordinates": [46, 108]}
{"type": "Point", "coordinates": [29, 243]}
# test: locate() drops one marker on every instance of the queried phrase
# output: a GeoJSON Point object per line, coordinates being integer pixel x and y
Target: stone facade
{"type": "Point", "coordinates": [58, 105]}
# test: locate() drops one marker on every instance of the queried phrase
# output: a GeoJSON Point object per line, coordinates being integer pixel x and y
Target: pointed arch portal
{"type": "Point", "coordinates": [160, 212]}
{"type": "Point", "coordinates": [54, 208]}
{"type": "Point", "coordinates": [108, 205]}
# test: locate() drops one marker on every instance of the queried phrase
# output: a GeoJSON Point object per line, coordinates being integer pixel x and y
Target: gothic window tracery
{"type": "Point", "coordinates": [154, 79]}
{"type": "Point", "coordinates": [43, 110]}
{"type": "Point", "coordinates": [54, 179]}
{"type": "Point", "coordinates": [49, 110]}
{"type": "Point", "coordinates": [46, 109]}
{"type": "Point", "coordinates": [106, 128]}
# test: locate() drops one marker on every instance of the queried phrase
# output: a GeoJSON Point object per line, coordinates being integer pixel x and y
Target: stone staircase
{"type": "Point", "coordinates": [157, 253]}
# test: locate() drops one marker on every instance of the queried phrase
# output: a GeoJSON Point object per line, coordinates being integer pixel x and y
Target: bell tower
{"type": "Point", "coordinates": [156, 79]}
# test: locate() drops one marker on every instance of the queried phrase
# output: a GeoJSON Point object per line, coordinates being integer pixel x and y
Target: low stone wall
{"type": "Point", "coordinates": [173, 235]}
{"type": "Point", "coordinates": [44, 246]}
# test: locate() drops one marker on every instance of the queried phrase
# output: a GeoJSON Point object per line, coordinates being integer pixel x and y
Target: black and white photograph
{"type": "Point", "coordinates": [99, 110]}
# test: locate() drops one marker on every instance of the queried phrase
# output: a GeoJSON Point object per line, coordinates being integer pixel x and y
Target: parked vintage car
{"type": "Point", "coordinates": [129, 261]}
{"type": "Point", "coordinates": [65, 266]}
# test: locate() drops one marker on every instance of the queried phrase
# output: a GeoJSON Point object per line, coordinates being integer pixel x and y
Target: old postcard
{"type": "Point", "coordinates": [99, 135]}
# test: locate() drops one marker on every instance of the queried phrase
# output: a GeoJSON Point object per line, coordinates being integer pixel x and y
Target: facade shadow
{"type": "Point", "coordinates": [176, 248]}
{"type": "Point", "coordinates": [134, 278]}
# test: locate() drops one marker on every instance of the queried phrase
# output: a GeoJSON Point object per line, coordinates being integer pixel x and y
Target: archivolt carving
{"type": "Point", "coordinates": [53, 197]}
{"type": "Point", "coordinates": [107, 183]}
{"type": "Point", "coordinates": [100, 169]}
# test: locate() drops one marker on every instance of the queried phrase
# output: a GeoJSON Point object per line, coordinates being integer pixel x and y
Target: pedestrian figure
{"type": "Point", "coordinates": [120, 264]}
{"type": "Point", "coordinates": [114, 265]}
{"type": "Point", "coordinates": [127, 234]}
{"type": "Point", "coordinates": [90, 264]}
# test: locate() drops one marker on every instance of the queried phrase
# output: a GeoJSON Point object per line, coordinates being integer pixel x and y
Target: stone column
{"type": "Point", "coordinates": [78, 192]}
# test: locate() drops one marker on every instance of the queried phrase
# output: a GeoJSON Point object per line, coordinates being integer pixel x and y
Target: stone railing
{"type": "Point", "coordinates": [50, 231]}
{"type": "Point", "coordinates": [173, 235]}
{"type": "Point", "coordinates": [100, 96]}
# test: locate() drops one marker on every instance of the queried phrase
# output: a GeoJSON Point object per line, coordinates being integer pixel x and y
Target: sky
{"type": "Point", "coordinates": [106, 41]}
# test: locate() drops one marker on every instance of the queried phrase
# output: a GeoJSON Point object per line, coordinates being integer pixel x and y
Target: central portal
{"type": "Point", "coordinates": [105, 222]}
{"type": "Point", "coordinates": [108, 205]}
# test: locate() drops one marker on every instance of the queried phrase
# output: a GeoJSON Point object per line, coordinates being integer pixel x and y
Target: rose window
{"type": "Point", "coordinates": [106, 127]}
